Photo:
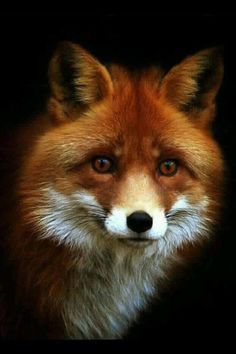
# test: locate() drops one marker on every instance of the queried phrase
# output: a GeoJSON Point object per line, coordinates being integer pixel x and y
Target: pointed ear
{"type": "Point", "coordinates": [77, 81]}
{"type": "Point", "coordinates": [192, 85]}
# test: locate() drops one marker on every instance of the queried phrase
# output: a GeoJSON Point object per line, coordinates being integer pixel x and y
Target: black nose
{"type": "Point", "coordinates": [139, 221]}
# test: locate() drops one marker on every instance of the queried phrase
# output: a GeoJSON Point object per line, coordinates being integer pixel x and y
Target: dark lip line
{"type": "Point", "coordinates": [136, 239]}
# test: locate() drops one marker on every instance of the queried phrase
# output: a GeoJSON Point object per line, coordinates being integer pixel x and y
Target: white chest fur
{"type": "Point", "coordinates": [106, 296]}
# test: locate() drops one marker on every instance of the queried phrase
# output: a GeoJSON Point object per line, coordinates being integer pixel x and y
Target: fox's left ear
{"type": "Point", "coordinates": [77, 81]}
{"type": "Point", "coordinates": [192, 85]}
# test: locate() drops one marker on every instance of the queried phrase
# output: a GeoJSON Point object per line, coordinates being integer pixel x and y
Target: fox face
{"type": "Point", "coordinates": [129, 160]}
{"type": "Point", "coordinates": [124, 175]}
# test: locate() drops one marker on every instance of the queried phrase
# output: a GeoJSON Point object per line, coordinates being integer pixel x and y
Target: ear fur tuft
{"type": "Point", "coordinates": [76, 79]}
{"type": "Point", "coordinates": [194, 83]}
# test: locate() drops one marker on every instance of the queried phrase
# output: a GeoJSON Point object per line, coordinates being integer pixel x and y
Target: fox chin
{"type": "Point", "coordinates": [106, 193]}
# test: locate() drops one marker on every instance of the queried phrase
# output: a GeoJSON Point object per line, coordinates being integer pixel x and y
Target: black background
{"type": "Point", "coordinates": [204, 304]}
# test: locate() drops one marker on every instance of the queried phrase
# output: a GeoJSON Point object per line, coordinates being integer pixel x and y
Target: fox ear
{"type": "Point", "coordinates": [77, 80]}
{"type": "Point", "coordinates": [192, 85]}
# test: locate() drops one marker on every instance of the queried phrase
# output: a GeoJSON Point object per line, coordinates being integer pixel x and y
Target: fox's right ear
{"type": "Point", "coordinates": [77, 81]}
{"type": "Point", "coordinates": [192, 85]}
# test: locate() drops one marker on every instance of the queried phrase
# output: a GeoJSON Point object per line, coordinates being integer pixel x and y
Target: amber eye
{"type": "Point", "coordinates": [103, 165]}
{"type": "Point", "coordinates": [168, 167]}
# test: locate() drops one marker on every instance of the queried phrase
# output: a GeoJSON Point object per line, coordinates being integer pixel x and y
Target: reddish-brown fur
{"type": "Point", "coordinates": [134, 118]}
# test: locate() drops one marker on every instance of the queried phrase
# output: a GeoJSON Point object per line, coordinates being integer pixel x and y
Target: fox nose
{"type": "Point", "coordinates": [139, 221]}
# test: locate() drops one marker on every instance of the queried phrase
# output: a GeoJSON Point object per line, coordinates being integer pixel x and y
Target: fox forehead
{"type": "Point", "coordinates": [133, 111]}
{"type": "Point", "coordinates": [133, 120]}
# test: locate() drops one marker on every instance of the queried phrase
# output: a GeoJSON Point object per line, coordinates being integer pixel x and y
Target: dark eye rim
{"type": "Point", "coordinates": [168, 174]}
{"type": "Point", "coordinates": [112, 164]}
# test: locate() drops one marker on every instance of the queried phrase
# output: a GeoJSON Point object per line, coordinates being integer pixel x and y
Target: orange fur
{"type": "Point", "coordinates": [137, 119]}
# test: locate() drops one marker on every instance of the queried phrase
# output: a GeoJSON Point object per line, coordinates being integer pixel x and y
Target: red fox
{"type": "Point", "coordinates": [105, 193]}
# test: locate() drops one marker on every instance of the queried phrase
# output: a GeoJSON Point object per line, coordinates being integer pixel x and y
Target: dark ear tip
{"type": "Point", "coordinates": [216, 53]}
{"type": "Point", "coordinates": [64, 47]}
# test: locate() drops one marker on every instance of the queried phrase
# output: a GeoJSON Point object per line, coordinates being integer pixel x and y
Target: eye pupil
{"type": "Point", "coordinates": [102, 164]}
{"type": "Point", "coordinates": [168, 167]}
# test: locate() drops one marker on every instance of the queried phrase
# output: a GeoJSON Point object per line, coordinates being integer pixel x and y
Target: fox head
{"type": "Point", "coordinates": [128, 159]}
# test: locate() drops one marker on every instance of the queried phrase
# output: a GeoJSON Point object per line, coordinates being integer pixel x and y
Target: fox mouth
{"type": "Point", "coordinates": [137, 241]}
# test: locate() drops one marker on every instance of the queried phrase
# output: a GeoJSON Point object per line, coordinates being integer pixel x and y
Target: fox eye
{"type": "Point", "coordinates": [168, 167]}
{"type": "Point", "coordinates": [103, 164]}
